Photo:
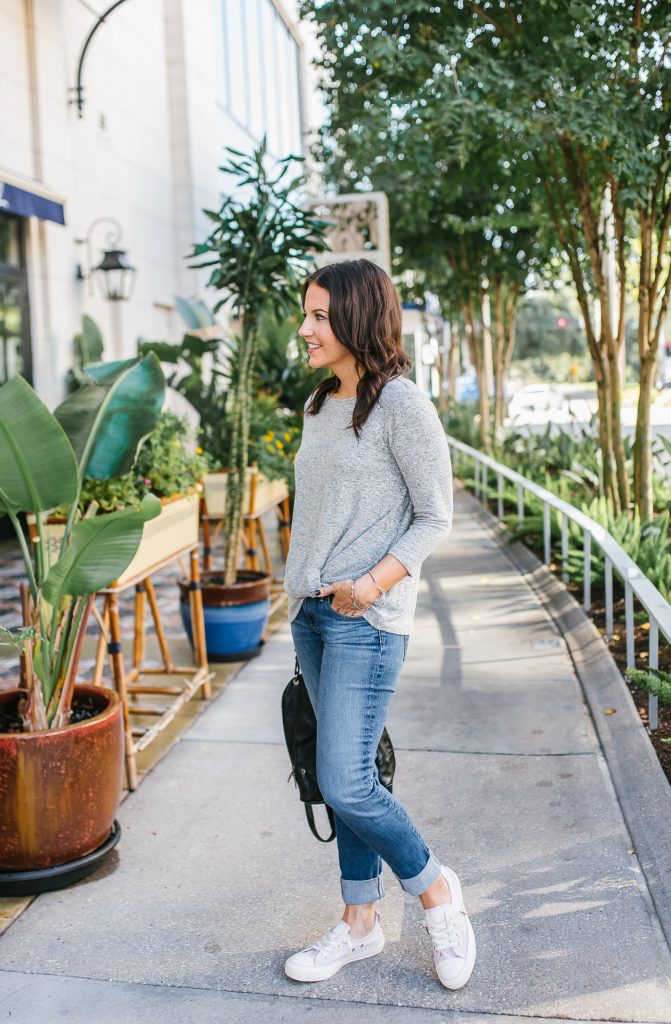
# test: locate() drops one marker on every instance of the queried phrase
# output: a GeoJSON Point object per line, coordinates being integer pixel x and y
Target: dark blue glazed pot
{"type": "Point", "coordinates": [235, 615]}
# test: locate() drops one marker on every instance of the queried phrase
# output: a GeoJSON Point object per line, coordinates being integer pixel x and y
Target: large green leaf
{"type": "Point", "coordinates": [100, 550]}
{"type": "Point", "coordinates": [108, 418]}
{"type": "Point", "coordinates": [38, 469]}
{"type": "Point", "coordinates": [194, 313]}
{"type": "Point", "coordinates": [92, 341]}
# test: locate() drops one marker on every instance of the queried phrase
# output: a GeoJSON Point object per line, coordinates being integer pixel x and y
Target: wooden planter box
{"type": "Point", "coordinates": [266, 493]}
{"type": "Point", "coordinates": [173, 531]}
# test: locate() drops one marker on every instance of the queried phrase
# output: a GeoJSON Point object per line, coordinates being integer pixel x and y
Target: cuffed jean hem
{"type": "Point", "coordinates": [367, 890]}
{"type": "Point", "coordinates": [421, 882]}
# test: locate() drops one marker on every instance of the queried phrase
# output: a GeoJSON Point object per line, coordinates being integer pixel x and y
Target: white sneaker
{"type": "Point", "coordinates": [335, 949]}
{"type": "Point", "coordinates": [452, 936]}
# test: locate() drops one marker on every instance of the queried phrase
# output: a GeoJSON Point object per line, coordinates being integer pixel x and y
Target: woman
{"type": "Point", "coordinates": [373, 498]}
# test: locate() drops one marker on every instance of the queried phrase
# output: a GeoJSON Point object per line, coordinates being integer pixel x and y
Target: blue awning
{"type": "Point", "coordinates": [29, 204]}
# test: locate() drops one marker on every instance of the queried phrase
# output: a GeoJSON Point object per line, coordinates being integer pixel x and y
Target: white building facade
{"type": "Point", "coordinates": [167, 85]}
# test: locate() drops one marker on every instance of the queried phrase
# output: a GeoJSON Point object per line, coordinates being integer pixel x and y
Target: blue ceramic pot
{"type": "Point", "coordinates": [235, 615]}
{"type": "Point", "coordinates": [232, 633]}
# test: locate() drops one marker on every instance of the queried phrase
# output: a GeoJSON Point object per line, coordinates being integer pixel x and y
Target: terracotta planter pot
{"type": "Point", "coordinates": [248, 588]}
{"type": "Point", "coordinates": [60, 788]}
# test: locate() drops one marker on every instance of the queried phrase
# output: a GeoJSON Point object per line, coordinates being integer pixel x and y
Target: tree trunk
{"type": "Point", "coordinates": [642, 448]}
{"type": "Point", "coordinates": [453, 362]}
{"type": "Point", "coordinates": [505, 316]}
{"type": "Point", "coordinates": [475, 351]}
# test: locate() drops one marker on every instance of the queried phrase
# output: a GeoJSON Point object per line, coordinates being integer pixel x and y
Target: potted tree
{"type": "Point", "coordinates": [259, 249]}
{"type": "Point", "coordinates": [61, 744]}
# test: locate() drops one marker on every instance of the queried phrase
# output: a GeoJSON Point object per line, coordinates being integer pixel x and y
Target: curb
{"type": "Point", "coordinates": [641, 787]}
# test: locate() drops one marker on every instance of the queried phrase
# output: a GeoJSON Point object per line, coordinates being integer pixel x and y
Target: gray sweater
{"type": "Point", "coordinates": [390, 492]}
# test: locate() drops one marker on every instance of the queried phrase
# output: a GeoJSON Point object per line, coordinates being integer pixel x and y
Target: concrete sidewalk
{"type": "Point", "coordinates": [217, 878]}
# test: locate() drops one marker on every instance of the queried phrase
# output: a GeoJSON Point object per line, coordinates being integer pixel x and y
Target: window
{"type": "Point", "coordinates": [238, 69]}
{"type": "Point", "coordinates": [15, 356]}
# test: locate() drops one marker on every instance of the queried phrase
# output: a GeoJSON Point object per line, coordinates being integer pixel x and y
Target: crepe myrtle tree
{"type": "Point", "coordinates": [580, 92]}
{"type": "Point", "coordinates": [259, 249]}
{"type": "Point", "coordinates": [472, 230]}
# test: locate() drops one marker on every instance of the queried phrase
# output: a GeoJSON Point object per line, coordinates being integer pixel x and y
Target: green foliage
{"type": "Point", "coordinates": [18, 638]}
{"type": "Point", "coordinates": [259, 248]}
{"type": "Point", "coordinates": [199, 374]}
{"type": "Point", "coordinates": [100, 549]}
{"type": "Point", "coordinates": [276, 450]}
{"type": "Point", "coordinates": [88, 348]}
{"type": "Point", "coordinates": [165, 462]}
{"type": "Point", "coordinates": [557, 368]}
{"type": "Point", "coordinates": [538, 330]}
{"type": "Point", "coordinates": [258, 251]}
{"type": "Point", "coordinates": [281, 384]}
{"type": "Point", "coordinates": [461, 421]}
{"type": "Point", "coordinates": [40, 469]}
{"type": "Point", "coordinates": [655, 681]}
{"type": "Point", "coordinates": [107, 418]}
{"type": "Point", "coordinates": [502, 122]}
{"type": "Point", "coordinates": [165, 466]}
{"type": "Point", "coordinates": [567, 463]}
{"type": "Point", "coordinates": [460, 207]}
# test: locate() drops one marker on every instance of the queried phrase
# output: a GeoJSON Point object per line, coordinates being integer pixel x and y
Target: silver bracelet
{"type": "Point", "coordinates": [357, 606]}
{"type": "Point", "coordinates": [379, 588]}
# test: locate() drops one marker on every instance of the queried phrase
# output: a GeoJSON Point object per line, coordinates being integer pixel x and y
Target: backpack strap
{"type": "Point", "coordinates": [311, 822]}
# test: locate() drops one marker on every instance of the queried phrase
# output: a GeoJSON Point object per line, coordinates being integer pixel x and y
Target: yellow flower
{"type": "Point", "coordinates": [279, 444]}
{"type": "Point", "coordinates": [199, 451]}
{"type": "Point", "coordinates": [287, 437]}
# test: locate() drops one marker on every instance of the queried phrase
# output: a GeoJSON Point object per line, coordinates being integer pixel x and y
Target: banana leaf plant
{"type": "Point", "coordinates": [44, 459]}
{"type": "Point", "coordinates": [259, 250]}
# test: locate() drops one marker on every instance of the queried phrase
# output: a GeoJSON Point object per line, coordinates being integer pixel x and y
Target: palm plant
{"type": "Point", "coordinates": [259, 249]}
{"type": "Point", "coordinates": [44, 460]}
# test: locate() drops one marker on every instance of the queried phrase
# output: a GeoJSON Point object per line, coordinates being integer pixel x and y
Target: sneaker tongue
{"type": "Point", "coordinates": [341, 928]}
{"type": "Point", "coordinates": [435, 915]}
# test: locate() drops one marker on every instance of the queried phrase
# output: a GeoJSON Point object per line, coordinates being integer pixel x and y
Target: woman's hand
{"type": "Point", "coordinates": [365, 592]}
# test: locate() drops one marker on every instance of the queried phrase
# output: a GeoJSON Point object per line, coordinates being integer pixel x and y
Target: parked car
{"type": "Point", "coordinates": [536, 398]}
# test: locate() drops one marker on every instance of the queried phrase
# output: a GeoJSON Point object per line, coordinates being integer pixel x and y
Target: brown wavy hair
{"type": "Point", "coordinates": [365, 316]}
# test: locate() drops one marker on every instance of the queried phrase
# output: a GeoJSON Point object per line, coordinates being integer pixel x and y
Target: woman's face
{"type": "Point", "coordinates": [324, 349]}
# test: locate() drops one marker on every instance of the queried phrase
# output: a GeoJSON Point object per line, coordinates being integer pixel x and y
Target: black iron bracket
{"type": "Point", "coordinates": [77, 91]}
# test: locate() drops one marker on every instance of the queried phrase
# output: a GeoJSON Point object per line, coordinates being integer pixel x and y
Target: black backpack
{"type": "Point", "coordinates": [300, 733]}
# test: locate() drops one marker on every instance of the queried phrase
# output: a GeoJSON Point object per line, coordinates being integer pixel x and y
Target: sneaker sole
{"type": "Point", "coordinates": [299, 972]}
{"type": "Point", "coordinates": [460, 979]}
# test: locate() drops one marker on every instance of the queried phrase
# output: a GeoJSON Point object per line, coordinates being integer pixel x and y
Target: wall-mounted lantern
{"type": "Point", "coordinates": [114, 273]}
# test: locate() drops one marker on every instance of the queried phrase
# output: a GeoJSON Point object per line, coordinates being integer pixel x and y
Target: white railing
{"type": "Point", "coordinates": [636, 583]}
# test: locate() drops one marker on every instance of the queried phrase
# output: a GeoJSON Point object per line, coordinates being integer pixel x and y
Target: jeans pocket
{"type": "Point", "coordinates": [341, 615]}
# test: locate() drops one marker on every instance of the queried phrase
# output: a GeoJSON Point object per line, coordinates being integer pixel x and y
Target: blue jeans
{"type": "Point", "coordinates": [350, 670]}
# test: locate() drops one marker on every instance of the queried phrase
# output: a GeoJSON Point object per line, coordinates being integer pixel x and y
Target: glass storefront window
{"type": "Point", "coordinates": [11, 337]}
{"type": "Point", "coordinates": [15, 355]}
{"type": "Point", "coordinates": [10, 241]}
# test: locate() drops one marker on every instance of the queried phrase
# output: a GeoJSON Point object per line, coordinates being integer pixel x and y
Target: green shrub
{"type": "Point", "coordinates": [165, 466]}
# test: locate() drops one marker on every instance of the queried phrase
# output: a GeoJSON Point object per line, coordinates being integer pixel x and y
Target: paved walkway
{"type": "Point", "coordinates": [217, 877]}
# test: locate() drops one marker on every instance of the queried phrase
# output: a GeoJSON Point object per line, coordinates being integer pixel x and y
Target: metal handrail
{"type": "Point", "coordinates": [636, 583]}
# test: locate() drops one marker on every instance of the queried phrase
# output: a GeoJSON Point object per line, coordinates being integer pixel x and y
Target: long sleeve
{"type": "Point", "coordinates": [419, 446]}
